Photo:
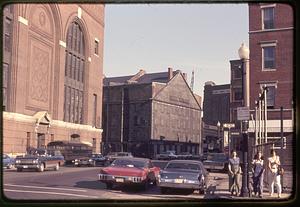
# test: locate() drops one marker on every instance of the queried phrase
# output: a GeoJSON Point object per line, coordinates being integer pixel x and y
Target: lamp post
{"type": "Point", "coordinates": [244, 56]}
{"type": "Point", "coordinates": [218, 125]}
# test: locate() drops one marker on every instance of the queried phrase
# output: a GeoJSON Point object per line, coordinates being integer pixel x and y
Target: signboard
{"type": "Point", "coordinates": [228, 125]}
{"type": "Point", "coordinates": [243, 113]}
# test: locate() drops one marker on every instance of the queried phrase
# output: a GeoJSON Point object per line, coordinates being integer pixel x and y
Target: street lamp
{"type": "Point", "coordinates": [244, 56]}
{"type": "Point", "coordinates": [218, 125]}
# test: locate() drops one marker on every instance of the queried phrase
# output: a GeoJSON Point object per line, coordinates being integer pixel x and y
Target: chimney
{"type": "Point", "coordinates": [170, 73]}
{"type": "Point", "coordinates": [185, 76]}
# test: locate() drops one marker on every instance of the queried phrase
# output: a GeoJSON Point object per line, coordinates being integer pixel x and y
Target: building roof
{"type": "Point", "coordinates": [141, 77]}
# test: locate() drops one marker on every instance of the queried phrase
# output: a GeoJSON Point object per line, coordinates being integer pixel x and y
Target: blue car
{"type": "Point", "coordinates": [8, 162]}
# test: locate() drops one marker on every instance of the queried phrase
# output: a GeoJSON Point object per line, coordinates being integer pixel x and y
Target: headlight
{"type": "Point", "coordinates": [18, 161]}
{"type": "Point", "coordinates": [35, 161]}
{"type": "Point", "coordinates": [90, 160]}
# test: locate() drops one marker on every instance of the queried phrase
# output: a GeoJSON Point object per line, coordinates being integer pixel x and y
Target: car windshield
{"type": "Point", "coordinates": [123, 154]}
{"type": "Point", "coordinates": [5, 156]}
{"type": "Point", "coordinates": [182, 166]}
{"type": "Point", "coordinates": [112, 154]}
{"type": "Point", "coordinates": [129, 163]}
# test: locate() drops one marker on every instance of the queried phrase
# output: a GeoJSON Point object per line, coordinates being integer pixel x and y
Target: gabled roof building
{"type": "Point", "coordinates": [150, 113]}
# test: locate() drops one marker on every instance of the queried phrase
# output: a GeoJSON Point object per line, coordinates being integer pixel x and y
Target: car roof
{"type": "Point", "coordinates": [186, 161]}
{"type": "Point", "coordinates": [133, 159]}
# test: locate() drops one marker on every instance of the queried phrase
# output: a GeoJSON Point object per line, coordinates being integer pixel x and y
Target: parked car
{"type": "Point", "coordinates": [216, 161]}
{"type": "Point", "coordinates": [129, 171]}
{"type": "Point", "coordinates": [183, 174]}
{"type": "Point", "coordinates": [168, 155]}
{"type": "Point", "coordinates": [185, 156]}
{"type": "Point", "coordinates": [8, 162]}
{"type": "Point", "coordinates": [91, 160]}
{"type": "Point", "coordinates": [111, 156]}
{"type": "Point", "coordinates": [39, 159]}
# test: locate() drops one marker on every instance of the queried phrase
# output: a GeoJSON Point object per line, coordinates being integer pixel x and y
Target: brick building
{"type": "Point", "coordinates": [271, 64]}
{"type": "Point", "coordinates": [52, 74]}
{"type": "Point", "coordinates": [236, 100]}
{"type": "Point", "coordinates": [216, 108]}
{"type": "Point", "coordinates": [147, 114]}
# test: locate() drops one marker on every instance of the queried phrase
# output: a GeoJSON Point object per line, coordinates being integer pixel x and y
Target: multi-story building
{"type": "Point", "coordinates": [147, 114]}
{"type": "Point", "coordinates": [271, 64]}
{"type": "Point", "coordinates": [216, 109]}
{"type": "Point", "coordinates": [52, 74]}
{"type": "Point", "coordinates": [236, 100]}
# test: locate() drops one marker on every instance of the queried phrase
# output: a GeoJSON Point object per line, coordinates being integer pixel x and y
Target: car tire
{"type": "Point", "coordinates": [56, 167]}
{"type": "Point", "coordinates": [109, 186]}
{"type": "Point", "coordinates": [145, 186]}
{"type": "Point", "coordinates": [202, 191]}
{"type": "Point", "coordinates": [41, 168]}
{"type": "Point", "coordinates": [163, 190]}
{"type": "Point", "coordinates": [19, 169]}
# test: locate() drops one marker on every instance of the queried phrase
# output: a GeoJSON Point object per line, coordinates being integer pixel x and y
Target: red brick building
{"type": "Point", "coordinates": [52, 74]}
{"type": "Point", "coordinates": [271, 64]}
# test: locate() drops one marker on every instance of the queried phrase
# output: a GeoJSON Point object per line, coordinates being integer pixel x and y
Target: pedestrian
{"type": "Point", "coordinates": [234, 171]}
{"type": "Point", "coordinates": [274, 176]}
{"type": "Point", "coordinates": [258, 174]}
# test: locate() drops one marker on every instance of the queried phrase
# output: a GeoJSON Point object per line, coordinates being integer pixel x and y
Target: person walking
{"type": "Point", "coordinates": [234, 170]}
{"type": "Point", "coordinates": [274, 176]}
{"type": "Point", "coordinates": [258, 174]}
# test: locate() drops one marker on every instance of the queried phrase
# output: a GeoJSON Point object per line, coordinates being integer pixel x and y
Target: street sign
{"type": "Point", "coordinates": [235, 133]}
{"type": "Point", "coordinates": [228, 125]}
{"type": "Point", "coordinates": [243, 113]}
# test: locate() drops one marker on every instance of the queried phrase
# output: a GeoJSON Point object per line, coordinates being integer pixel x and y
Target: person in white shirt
{"type": "Point", "coordinates": [274, 177]}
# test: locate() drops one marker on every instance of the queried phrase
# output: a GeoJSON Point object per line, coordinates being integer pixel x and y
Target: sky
{"type": "Point", "coordinates": [186, 37]}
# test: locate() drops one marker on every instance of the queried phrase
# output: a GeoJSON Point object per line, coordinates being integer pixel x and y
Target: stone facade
{"type": "Point", "coordinates": [156, 115]}
{"type": "Point", "coordinates": [36, 75]}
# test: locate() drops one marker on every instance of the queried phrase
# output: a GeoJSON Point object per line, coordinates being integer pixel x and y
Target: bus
{"type": "Point", "coordinates": [71, 150]}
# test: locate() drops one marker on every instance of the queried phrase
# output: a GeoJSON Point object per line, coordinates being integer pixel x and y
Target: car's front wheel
{"type": "Point", "coordinates": [19, 169]}
{"type": "Point", "coordinates": [163, 190]}
{"type": "Point", "coordinates": [109, 186]}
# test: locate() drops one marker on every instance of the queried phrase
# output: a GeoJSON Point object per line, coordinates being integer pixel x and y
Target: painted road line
{"type": "Point", "coordinates": [54, 193]}
{"type": "Point", "coordinates": [49, 188]}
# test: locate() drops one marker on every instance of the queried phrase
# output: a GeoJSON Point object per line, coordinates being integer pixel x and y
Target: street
{"type": "Point", "coordinates": [81, 183]}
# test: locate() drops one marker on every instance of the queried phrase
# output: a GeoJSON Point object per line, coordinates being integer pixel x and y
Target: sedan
{"type": "Point", "coordinates": [216, 161]}
{"type": "Point", "coordinates": [183, 174]}
{"type": "Point", "coordinates": [8, 162]}
{"type": "Point", "coordinates": [129, 171]}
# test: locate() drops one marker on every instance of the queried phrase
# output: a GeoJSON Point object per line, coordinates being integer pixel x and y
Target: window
{"type": "Point", "coordinates": [28, 140]}
{"type": "Point", "coordinates": [268, 18]}
{"type": "Point", "coordinates": [95, 110]}
{"type": "Point", "coordinates": [269, 57]}
{"type": "Point", "coordinates": [5, 73]}
{"type": "Point", "coordinates": [96, 47]}
{"type": "Point", "coordinates": [74, 74]}
{"type": "Point", "coordinates": [271, 97]}
{"type": "Point", "coordinates": [237, 73]}
{"type": "Point", "coordinates": [7, 34]}
{"type": "Point", "coordinates": [238, 95]}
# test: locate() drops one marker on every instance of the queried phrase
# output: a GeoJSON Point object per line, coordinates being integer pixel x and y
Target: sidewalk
{"type": "Point", "coordinates": [219, 190]}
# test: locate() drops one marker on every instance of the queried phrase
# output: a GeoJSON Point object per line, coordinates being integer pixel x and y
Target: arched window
{"type": "Point", "coordinates": [74, 74]}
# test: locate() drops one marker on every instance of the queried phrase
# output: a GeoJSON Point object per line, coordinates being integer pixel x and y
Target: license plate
{"type": "Point", "coordinates": [178, 180]}
{"type": "Point", "coordinates": [25, 166]}
{"type": "Point", "coordinates": [120, 180]}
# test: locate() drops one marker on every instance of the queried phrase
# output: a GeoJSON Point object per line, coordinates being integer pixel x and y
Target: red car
{"type": "Point", "coordinates": [129, 171]}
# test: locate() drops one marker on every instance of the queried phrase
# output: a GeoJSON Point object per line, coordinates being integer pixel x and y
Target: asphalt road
{"type": "Point", "coordinates": [81, 183]}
